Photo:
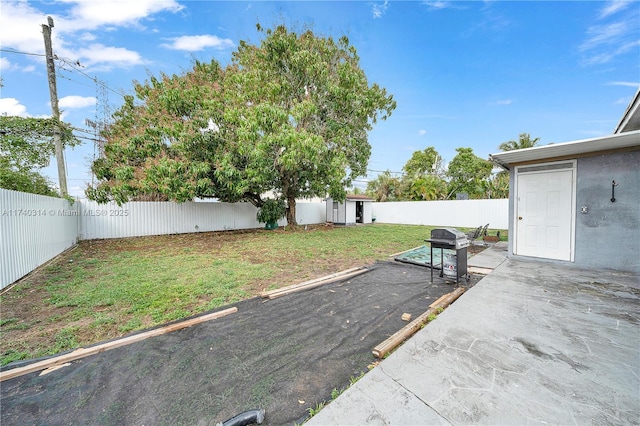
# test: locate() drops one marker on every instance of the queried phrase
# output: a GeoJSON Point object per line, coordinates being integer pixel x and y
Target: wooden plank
{"type": "Point", "coordinates": [478, 270]}
{"type": "Point", "coordinates": [289, 290]}
{"type": "Point", "coordinates": [438, 300]}
{"type": "Point", "coordinates": [266, 294]}
{"type": "Point", "coordinates": [92, 350]}
{"type": "Point", "coordinates": [410, 329]}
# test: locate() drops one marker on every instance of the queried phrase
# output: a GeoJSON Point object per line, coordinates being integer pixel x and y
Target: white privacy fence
{"type": "Point", "coordinates": [35, 228]}
{"type": "Point", "coordinates": [137, 219]}
{"type": "Point", "coordinates": [455, 213]}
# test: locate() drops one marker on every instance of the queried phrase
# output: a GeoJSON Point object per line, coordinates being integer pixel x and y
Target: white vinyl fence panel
{"type": "Point", "coordinates": [137, 219]}
{"type": "Point", "coordinates": [453, 213]}
{"type": "Point", "coordinates": [311, 213]}
{"type": "Point", "coordinates": [33, 230]}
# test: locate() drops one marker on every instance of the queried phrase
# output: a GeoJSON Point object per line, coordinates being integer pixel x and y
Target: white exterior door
{"type": "Point", "coordinates": [544, 213]}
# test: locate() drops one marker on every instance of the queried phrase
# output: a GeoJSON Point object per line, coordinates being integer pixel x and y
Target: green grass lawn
{"type": "Point", "coordinates": [103, 289]}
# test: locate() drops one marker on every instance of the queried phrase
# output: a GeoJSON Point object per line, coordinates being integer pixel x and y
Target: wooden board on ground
{"type": "Point", "coordinates": [410, 329]}
{"type": "Point", "coordinates": [92, 350]}
{"type": "Point", "coordinates": [338, 276]}
{"type": "Point", "coordinates": [478, 270]}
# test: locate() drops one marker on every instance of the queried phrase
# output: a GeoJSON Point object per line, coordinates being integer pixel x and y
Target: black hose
{"type": "Point", "coordinates": [247, 418]}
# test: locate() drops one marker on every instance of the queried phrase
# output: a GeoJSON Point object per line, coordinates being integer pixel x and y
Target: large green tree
{"type": "Point", "coordinates": [499, 185]}
{"type": "Point", "coordinates": [468, 173]}
{"type": "Point", "coordinates": [169, 142]}
{"type": "Point", "coordinates": [289, 116]}
{"type": "Point", "coordinates": [424, 162]}
{"type": "Point", "coordinates": [385, 187]}
{"type": "Point", "coordinates": [424, 188]}
{"type": "Point", "coordinates": [524, 141]}
{"type": "Point", "coordinates": [26, 146]}
{"type": "Point", "coordinates": [424, 176]}
{"type": "Point", "coordinates": [304, 107]}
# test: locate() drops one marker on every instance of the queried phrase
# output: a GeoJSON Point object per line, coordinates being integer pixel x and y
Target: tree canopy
{"type": "Point", "coordinates": [524, 141]}
{"type": "Point", "coordinates": [167, 145]}
{"type": "Point", "coordinates": [26, 146]}
{"type": "Point", "coordinates": [468, 173]}
{"type": "Point", "coordinates": [424, 179]}
{"type": "Point", "coordinates": [385, 187]}
{"type": "Point", "coordinates": [289, 115]}
{"type": "Point", "coordinates": [427, 161]}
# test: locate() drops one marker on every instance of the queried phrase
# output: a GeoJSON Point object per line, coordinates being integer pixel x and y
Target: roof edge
{"type": "Point", "coordinates": [629, 113]}
{"type": "Point", "coordinates": [580, 147]}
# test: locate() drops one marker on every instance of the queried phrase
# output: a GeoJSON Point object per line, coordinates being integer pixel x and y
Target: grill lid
{"type": "Point", "coordinates": [450, 234]}
{"type": "Point", "coordinates": [449, 237]}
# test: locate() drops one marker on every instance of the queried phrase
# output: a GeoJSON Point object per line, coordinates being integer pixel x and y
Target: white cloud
{"type": "Point", "coordinates": [422, 132]}
{"type": "Point", "coordinates": [87, 37]}
{"type": "Point", "coordinates": [378, 9]}
{"type": "Point", "coordinates": [622, 101]}
{"type": "Point", "coordinates": [7, 65]}
{"type": "Point", "coordinates": [624, 83]}
{"type": "Point", "coordinates": [604, 42]}
{"type": "Point", "coordinates": [76, 102]}
{"type": "Point", "coordinates": [12, 107]}
{"type": "Point", "coordinates": [501, 102]}
{"type": "Point", "coordinates": [108, 57]}
{"type": "Point", "coordinates": [608, 55]}
{"type": "Point", "coordinates": [604, 34]}
{"type": "Point", "coordinates": [21, 28]}
{"type": "Point", "coordinates": [437, 5]}
{"type": "Point", "coordinates": [198, 42]}
{"type": "Point", "coordinates": [212, 127]}
{"type": "Point", "coordinates": [87, 15]}
{"type": "Point", "coordinates": [613, 7]}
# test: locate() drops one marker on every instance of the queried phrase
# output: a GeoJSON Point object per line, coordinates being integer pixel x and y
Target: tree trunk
{"type": "Point", "coordinates": [291, 211]}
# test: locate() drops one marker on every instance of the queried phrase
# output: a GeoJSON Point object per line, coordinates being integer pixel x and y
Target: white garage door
{"type": "Point", "coordinates": [544, 210]}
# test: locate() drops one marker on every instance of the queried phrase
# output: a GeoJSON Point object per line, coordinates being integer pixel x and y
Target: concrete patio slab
{"type": "Point", "coordinates": [490, 258]}
{"type": "Point", "coordinates": [531, 343]}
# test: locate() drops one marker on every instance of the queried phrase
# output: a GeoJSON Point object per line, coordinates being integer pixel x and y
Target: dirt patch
{"type": "Point", "coordinates": [285, 355]}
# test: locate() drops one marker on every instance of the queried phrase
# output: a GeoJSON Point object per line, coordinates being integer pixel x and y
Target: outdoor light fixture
{"type": "Point", "coordinates": [613, 191]}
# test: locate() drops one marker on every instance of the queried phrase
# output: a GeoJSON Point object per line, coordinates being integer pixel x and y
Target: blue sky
{"type": "Point", "coordinates": [464, 73]}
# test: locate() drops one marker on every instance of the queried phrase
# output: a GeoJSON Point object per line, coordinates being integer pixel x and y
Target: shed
{"type": "Point", "coordinates": [578, 201]}
{"type": "Point", "coordinates": [355, 209]}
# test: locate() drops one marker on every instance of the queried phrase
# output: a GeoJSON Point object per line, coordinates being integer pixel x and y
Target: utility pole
{"type": "Point", "coordinates": [55, 111]}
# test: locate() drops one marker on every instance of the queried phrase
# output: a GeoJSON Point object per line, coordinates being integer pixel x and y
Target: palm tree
{"type": "Point", "coordinates": [524, 141]}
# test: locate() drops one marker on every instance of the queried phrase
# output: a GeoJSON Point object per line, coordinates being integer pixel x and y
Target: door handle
{"type": "Point", "coordinates": [519, 217]}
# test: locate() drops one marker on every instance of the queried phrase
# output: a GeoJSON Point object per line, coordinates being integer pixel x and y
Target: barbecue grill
{"type": "Point", "coordinates": [451, 239]}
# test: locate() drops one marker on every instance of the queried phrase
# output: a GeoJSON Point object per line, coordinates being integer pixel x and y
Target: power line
{"type": "Point", "coordinates": [73, 66]}
{"type": "Point", "coordinates": [385, 171]}
{"type": "Point", "coordinates": [78, 129]}
{"type": "Point", "coordinates": [22, 53]}
{"type": "Point", "coordinates": [70, 79]}
{"type": "Point", "coordinates": [68, 62]}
